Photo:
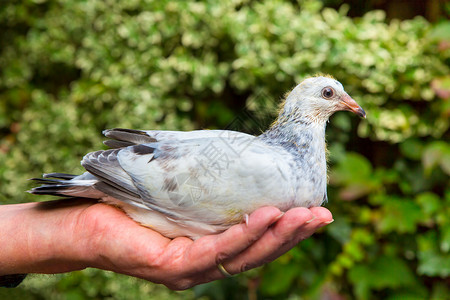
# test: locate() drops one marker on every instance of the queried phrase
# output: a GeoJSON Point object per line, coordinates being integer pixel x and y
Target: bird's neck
{"type": "Point", "coordinates": [297, 131]}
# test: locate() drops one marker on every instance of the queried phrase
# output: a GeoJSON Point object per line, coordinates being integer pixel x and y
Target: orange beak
{"type": "Point", "coordinates": [347, 103]}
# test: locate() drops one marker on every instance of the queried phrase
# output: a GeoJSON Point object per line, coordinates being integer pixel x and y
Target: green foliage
{"type": "Point", "coordinates": [69, 69]}
{"type": "Point", "coordinates": [90, 284]}
{"type": "Point", "coordinates": [383, 273]}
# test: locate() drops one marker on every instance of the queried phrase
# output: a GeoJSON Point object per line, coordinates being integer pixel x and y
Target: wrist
{"type": "Point", "coordinates": [42, 238]}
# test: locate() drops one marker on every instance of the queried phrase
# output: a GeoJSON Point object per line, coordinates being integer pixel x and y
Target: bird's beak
{"type": "Point", "coordinates": [347, 103]}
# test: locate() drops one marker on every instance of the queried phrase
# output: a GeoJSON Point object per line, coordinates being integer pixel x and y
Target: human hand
{"type": "Point", "coordinates": [97, 235]}
{"type": "Point", "coordinates": [181, 263]}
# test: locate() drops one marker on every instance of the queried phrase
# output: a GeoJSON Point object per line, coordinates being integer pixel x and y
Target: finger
{"type": "Point", "coordinates": [297, 224]}
{"type": "Point", "coordinates": [322, 217]}
{"type": "Point", "coordinates": [209, 251]}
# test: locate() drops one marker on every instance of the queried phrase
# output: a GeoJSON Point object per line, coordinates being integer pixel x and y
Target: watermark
{"type": "Point", "coordinates": [186, 190]}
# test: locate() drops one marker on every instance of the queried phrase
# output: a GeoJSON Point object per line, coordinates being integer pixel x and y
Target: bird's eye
{"type": "Point", "coordinates": [328, 92]}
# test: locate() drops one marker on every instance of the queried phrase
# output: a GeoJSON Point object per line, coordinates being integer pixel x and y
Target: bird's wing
{"type": "Point", "coordinates": [113, 180]}
{"type": "Point", "coordinates": [120, 137]}
{"type": "Point", "coordinates": [214, 179]}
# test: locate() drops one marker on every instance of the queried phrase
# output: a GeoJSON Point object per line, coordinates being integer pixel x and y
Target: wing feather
{"type": "Point", "coordinates": [104, 165]}
{"type": "Point", "coordinates": [127, 137]}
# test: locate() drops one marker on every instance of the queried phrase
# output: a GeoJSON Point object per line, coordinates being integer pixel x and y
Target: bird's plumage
{"type": "Point", "coordinates": [202, 182]}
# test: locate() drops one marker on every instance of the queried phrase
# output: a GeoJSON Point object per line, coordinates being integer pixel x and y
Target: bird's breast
{"type": "Point", "coordinates": [311, 175]}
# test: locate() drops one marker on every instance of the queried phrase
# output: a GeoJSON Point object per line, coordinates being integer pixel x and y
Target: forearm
{"type": "Point", "coordinates": [35, 238]}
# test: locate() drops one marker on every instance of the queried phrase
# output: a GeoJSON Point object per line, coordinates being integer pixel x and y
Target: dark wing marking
{"type": "Point", "coordinates": [114, 144]}
{"type": "Point", "coordinates": [142, 149]}
{"type": "Point", "coordinates": [126, 137]}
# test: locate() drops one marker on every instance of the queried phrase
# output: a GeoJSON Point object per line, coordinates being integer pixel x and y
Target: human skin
{"type": "Point", "coordinates": [74, 234]}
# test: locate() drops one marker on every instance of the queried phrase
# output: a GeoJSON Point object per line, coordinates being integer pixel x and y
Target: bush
{"type": "Point", "coordinates": [69, 69]}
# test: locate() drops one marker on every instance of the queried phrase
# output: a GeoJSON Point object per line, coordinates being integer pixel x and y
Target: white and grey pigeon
{"type": "Point", "coordinates": [202, 182]}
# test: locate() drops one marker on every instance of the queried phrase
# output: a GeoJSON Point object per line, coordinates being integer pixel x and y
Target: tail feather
{"type": "Point", "coordinates": [59, 175]}
{"type": "Point", "coordinates": [67, 186]}
{"type": "Point", "coordinates": [54, 190]}
{"type": "Point", "coordinates": [46, 181]}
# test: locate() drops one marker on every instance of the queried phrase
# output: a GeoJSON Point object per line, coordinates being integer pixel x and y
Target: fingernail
{"type": "Point", "coordinates": [329, 222]}
{"type": "Point", "coordinates": [246, 219]}
{"type": "Point", "coordinates": [279, 217]}
{"type": "Point", "coordinates": [309, 221]}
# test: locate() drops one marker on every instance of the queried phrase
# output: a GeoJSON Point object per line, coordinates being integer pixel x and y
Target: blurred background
{"type": "Point", "coordinates": [69, 69]}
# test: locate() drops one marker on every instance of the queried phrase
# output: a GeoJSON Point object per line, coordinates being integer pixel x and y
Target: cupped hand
{"type": "Point", "coordinates": [73, 234]}
{"type": "Point", "coordinates": [119, 244]}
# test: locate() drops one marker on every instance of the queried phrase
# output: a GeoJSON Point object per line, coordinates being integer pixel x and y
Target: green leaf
{"type": "Point", "coordinates": [353, 167]}
{"type": "Point", "coordinates": [436, 153]}
{"type": "Point", "coordinates": [412, 148]}
{"type": "Point", "coordinates": [399, 215]}
{"type": "Point", "coordinates": [278, 280]}
{"type": "Point", "coordinates": [383, 272]}
{"type": "Point", "coordinates": [354, 173]}
{"type": "Point", "coordinates": [340, 230]}
{"type": "Point", "coordinates": [432, 262]}
{"type": "Point", "coordinates": [429, 202]}
{"type": "Point", "coordinates": [441, 31]}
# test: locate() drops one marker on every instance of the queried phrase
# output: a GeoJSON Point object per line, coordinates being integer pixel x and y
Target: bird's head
{"type": "Point", "coordinates": [317, 98]}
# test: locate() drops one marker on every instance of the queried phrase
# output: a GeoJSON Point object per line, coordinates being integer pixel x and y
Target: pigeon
{"type": "Point", "coordinates": [202, 182]}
